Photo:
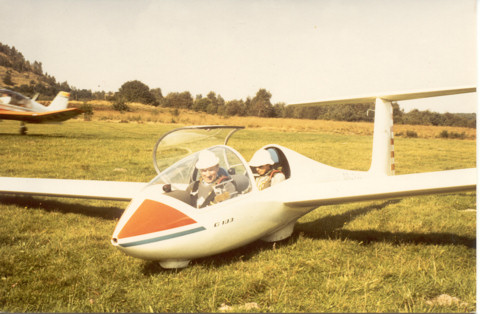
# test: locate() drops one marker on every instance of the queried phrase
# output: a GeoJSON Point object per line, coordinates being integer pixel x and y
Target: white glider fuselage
{"type": "Point", "coordinates": [158, 227]}
{"type": "Point", "coordinates": [223, 226]}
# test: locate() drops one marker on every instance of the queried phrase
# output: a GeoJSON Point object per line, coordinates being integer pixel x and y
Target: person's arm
{"type": "Point", "coordinates": [278, 177]}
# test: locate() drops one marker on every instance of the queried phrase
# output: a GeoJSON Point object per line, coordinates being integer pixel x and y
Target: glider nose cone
{"type": "Point", "coordinates": [146, 223]}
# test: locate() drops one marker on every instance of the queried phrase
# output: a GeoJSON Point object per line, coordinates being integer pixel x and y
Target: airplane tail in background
{"type": "Point", "coordinates": [60, 102]}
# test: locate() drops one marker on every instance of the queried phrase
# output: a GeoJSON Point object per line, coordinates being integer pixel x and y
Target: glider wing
{"type": "Point", "coordinates": [381, 187]}
{"type": "Point", "coordinates": [105, 190]}
{"type": "Point", "coordinates": [394, 96]}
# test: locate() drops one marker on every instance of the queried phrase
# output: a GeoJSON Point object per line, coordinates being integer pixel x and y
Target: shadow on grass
{"type": "Point", "coordinates": [151, 268]}
{"type": "Point", "coordinates": [50, 205]}
{"type": "Point", "coordinates": [35, 135]}
{"type": "Point", "coordinates": [243, 253]}
{"type": "Point", "coordinates": [330, 227]}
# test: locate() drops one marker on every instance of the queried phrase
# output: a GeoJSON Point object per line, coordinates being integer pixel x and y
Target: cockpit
{"type": "Point", "coordinates": [8, 97]}
{"type": "Point", "coordinates": [177, 152]}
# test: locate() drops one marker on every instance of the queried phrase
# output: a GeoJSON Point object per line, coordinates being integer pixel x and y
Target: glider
{"type": "Point", "coordinates": [15, 106]}
{"type": "Point", "coordinates": [162, 223]}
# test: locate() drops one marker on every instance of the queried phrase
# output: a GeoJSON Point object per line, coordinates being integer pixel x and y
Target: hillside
{"type": "Point", "coordinates": [20, 78]}
{"type": "Point", "coordinates": [26, 77]}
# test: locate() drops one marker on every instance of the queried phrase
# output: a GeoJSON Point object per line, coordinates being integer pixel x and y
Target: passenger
{"type": "Point", "coordinates": [212, 187]}
{"type": "Point", "coordinates": [267, 176]}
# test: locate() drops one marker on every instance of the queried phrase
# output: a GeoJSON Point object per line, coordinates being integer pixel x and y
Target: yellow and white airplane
{"type": "Point", "coordinates": [15, 106]}
{"type": "Point", "coordinates": [161, 223]}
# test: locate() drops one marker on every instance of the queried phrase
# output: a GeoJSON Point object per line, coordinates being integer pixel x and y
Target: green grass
{"type": "Point", "coordinates": [382, 256]}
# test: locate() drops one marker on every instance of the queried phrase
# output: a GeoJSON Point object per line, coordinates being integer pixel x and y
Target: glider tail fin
{"type": "Point", "coordinates": [382, 150]}
{"type": "Point", "coordinates": [60, 102]}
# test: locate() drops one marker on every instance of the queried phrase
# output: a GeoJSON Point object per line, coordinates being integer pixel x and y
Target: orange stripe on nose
{"type": "Point", "coordinates": [153, 216]}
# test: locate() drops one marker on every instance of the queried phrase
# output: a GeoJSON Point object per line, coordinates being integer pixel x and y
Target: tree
{"type": "Point", "coordinates": [136, 91]}
{"type": "Point", "coordinates": [200, 103]}
{"type": "Point", "coordinates": [235, 108]}
{"type": "Point", "coordinates": [7, 79]}
{"type": "Point", "coordinates": [248, 106]}
{"type": "Point", "coordinates": [397, 112]}
{"type": "Point", "coordinates": [220, 105]}
{"type": "Point", "coordinates": [290, 111]}
{"type": "Point", "coordinates": [37, 68]}
{"type": "Point", "coordinates": [179, 100]}
{"type": "Point", "coordinates": [157, 93]}
{"type": "Point", "coordinates": [212, 103]}
{"type": "Point", "coordinates": [279, 110]}
{"type": "Point", "coordinates": [261, 105]}
{"type": "Point", "coordinates": [65, 87]}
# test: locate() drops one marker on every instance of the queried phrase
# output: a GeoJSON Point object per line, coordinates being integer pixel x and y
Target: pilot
{"type": "Point", "coordinates": [5, 99]}
{"type": "Point", "coordinates": [265, 176]}
{"type": "Point", "coordinates": [213, 186]}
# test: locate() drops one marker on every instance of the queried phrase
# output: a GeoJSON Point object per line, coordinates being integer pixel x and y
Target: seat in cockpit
{"type": "Point", "coordinates": [242, 183]}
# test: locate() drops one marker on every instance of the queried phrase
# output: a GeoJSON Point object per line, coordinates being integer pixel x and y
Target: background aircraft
{"type": "Point", "coordinates": [15, 106]}
{"type": "Point", "coordinates": [160, 222]}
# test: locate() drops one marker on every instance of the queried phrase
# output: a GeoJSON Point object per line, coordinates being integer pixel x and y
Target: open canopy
{"type": "Point", "coordinates": [185, 141]}
{"type": "Point", "coordinates": [176, 153]}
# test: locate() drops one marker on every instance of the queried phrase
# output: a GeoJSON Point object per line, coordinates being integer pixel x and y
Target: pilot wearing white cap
{"type": "Point", "coordinates": [208, 163]}
{"type": "Point", "coordinates": [212, 187]}
{"type": "Point", "coordinates": [262, 163]}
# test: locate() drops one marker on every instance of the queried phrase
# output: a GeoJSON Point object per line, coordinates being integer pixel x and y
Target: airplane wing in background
{"type": "Point", "coordinates": [91, 189]}
{"type": "Point", "coordinates": [381, 187]}
{"type": "Point", "coordinates": [40, 117]}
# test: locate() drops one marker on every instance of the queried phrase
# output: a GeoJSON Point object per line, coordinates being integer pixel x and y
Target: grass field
{"type": "Point", "coordinates": [409, 255]}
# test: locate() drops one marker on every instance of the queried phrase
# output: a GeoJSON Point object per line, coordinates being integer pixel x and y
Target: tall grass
{"type": "Point", "coordinates": [414, 254]}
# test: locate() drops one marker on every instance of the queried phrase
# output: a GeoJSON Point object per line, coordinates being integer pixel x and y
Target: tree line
{"type": "Point", "coordinates": [259, 105]}
{"type": "Point", "coordinates": [359, 112]}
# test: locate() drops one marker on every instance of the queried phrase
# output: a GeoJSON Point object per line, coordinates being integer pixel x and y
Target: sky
{"type": "Point", "coordinates": [298, 50]}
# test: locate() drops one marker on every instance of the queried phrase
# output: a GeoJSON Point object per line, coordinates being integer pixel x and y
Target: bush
{"type": "Point", "coordinates": [120, 105]}
{"type": "Point", "coordinates": [443, 134]}
{"type": "Point", "coordinates": [458, 135]}
{"type": "Point", "coordinates": [446, 134]}
{"type": "Point", "coordinates": [411, 134]}
{"type": "Point", "coordinates": [87, 111]}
